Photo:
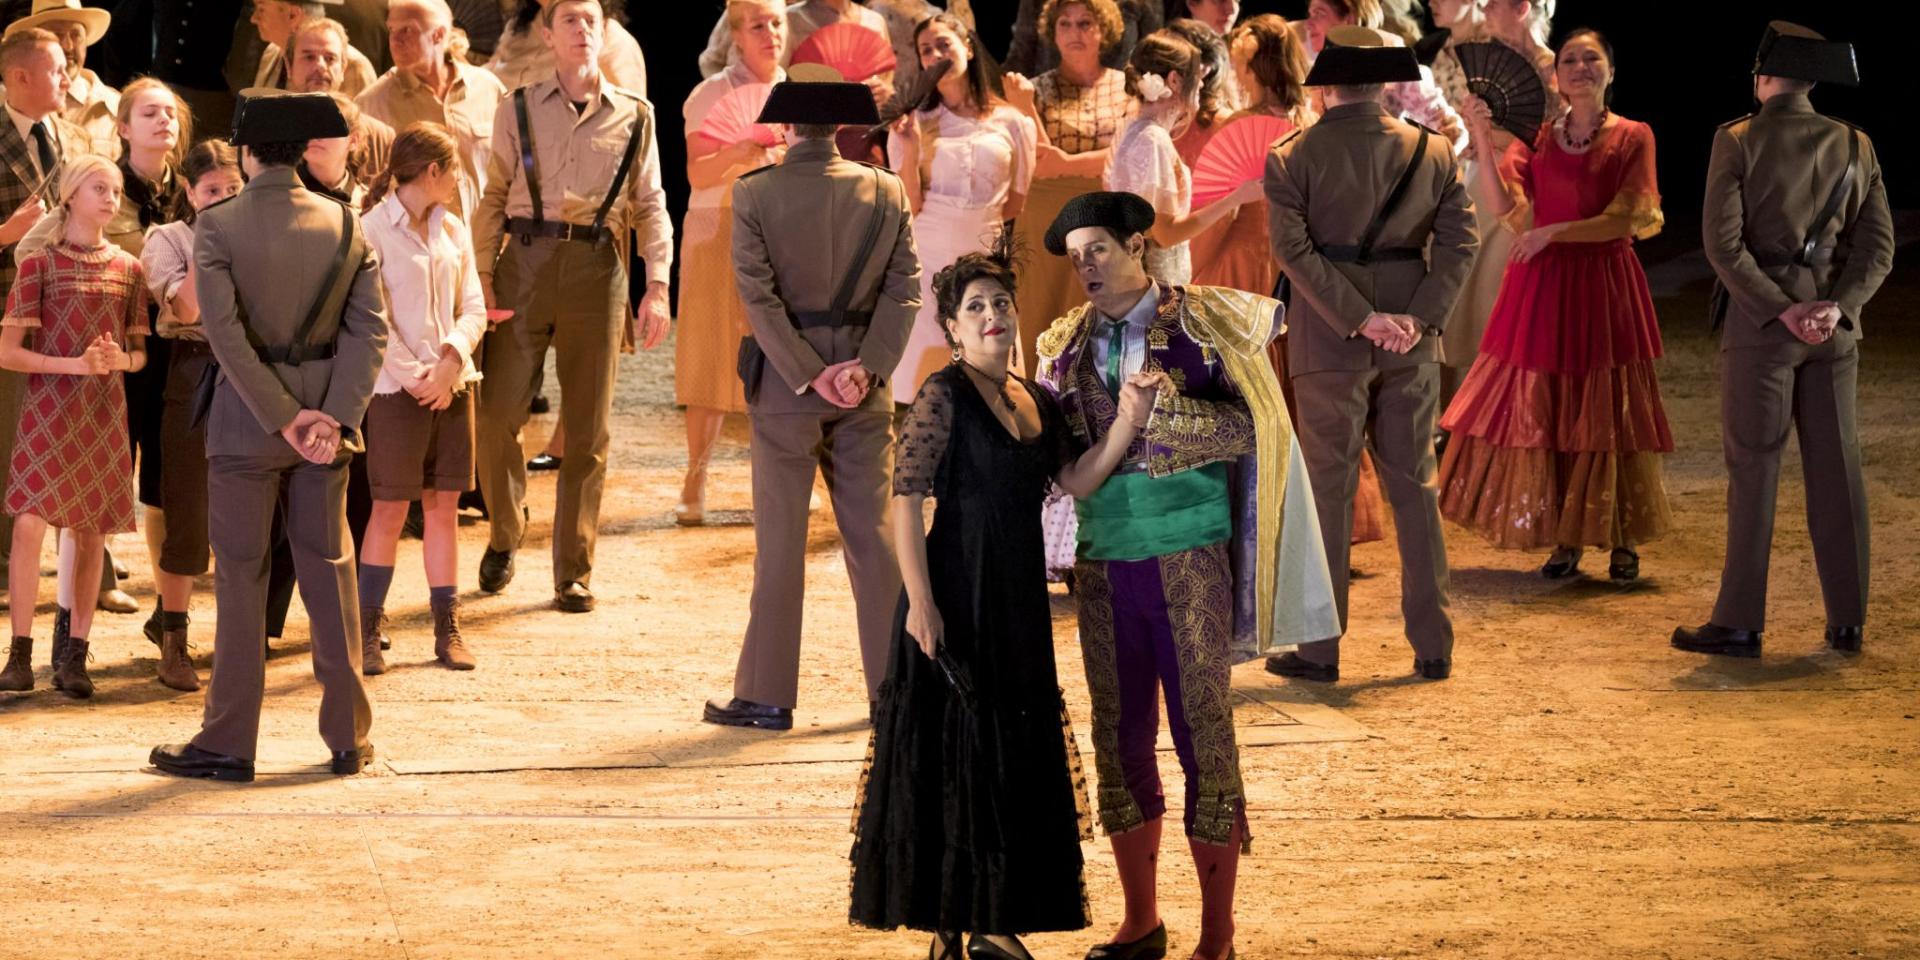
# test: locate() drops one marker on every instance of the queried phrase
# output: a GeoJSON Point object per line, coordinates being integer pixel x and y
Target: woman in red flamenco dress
{"type": "Point", "coordinates": [1559, 428]}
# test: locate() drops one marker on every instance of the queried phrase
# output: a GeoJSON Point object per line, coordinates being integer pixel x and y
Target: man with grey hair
{"type": "Point", "coordinates": [279, 21]}
{"type": "Point", "coordinates": [427, 83]}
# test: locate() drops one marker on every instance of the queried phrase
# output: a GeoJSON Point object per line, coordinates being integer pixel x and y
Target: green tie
{"type": "Point", "coordinates": [1116, 353]}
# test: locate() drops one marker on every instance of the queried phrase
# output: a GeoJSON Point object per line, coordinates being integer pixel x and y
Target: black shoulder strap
{"type": "Point", "coordinates": [620, 175]}
{"type": "Point", "coordinates": [527, 160]}
{"type": "Point", "coordinates": [1804, 256]}
{"type": "Point", "coordinates": [331, 293]}
{"type": "Point", "coordinates": [1393, 199]}
{"type": "Point", "coordinates": [844, 297]}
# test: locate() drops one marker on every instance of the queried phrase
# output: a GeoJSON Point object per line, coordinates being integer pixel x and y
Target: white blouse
{"type": "Point", "coordinates": [707, 93]}
{"type": "Point", "coordinates": [975, 163]}
{"type": "Point", "coordinates": [1145, 163]}
{"type": "Point", "coordinates": [163, 260]}
{"type": "Point", "coordinates": [433, 292]}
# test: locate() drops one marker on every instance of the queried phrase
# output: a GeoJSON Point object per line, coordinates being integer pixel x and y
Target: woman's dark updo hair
{"type": "Point", "coordinates": [1215, 63]}
{"type": "Point", "coordinates": [1160, 53]}
{"type": "Point", "coordinates": [951, 283]}
{"type": "Point", "coordinates": [1606, 47]}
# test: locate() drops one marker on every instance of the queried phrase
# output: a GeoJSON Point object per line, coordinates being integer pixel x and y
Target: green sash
{"type": "Point", "coordinates": [1134, 516]}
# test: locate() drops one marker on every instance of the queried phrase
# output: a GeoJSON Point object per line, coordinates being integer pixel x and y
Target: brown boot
{"type": "Point", "coordinates": [70, 676]}
{"type": "Point", "coordinates": [448, 647]}
{"type": "Point", "coordinates": [62, 626]}
{"type": "Point", "coordinates": [18, 674]}
{"type": "Point", "coordinates": [372, 624]}
{"type": "Point", "coordinates": [176, 665]}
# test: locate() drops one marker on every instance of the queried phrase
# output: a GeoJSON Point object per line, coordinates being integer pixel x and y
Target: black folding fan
{"type": "Point", "coordinates": [913, 99]}
{"type": "Point", "coordinates": [1508, 83]}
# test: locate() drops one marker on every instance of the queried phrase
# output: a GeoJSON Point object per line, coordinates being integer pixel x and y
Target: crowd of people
{"type": "Point", "coordinates": [292, 338]}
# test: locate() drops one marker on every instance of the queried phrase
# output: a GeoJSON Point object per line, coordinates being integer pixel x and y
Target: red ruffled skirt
{"type": "Point", "coordinates": [1558, 430]}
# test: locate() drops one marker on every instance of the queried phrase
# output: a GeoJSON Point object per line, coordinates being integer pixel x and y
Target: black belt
{"type": "Point", "coordinates": [1801, 258]}
{"type": "Point", "coordinates": [1351, 254]}
{"type": "Point", "coordinates": [816, 319]}
{"type": "Point", "coordinates": [556, 230]}
{"type": "Point", "coordinates": [296, 353]}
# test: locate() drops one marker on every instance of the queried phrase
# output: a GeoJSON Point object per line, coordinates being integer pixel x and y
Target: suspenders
{"type": "Point", "coordinates": [537, 225]}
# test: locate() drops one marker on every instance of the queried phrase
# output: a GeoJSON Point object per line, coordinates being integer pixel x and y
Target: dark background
{"type": "Point", "coordinates": [1684, 67]}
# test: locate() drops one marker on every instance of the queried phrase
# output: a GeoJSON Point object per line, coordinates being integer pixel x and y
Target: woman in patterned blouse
{"type": "Point", "coordinates": [1080, 106]}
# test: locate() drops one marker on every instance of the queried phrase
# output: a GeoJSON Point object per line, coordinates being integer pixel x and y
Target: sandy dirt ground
{"type": "Point", "coordinates": [1577, 790]}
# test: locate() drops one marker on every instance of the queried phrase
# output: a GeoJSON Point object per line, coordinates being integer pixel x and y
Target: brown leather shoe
{"type": "Point", "coordinates": [116, 600]}
{"type": "Point", "coordinates": [62, 626]}
{"type": "Point", "coordinates": [176, 665]}
{"type": "Point", "coordinates": [18, 673]}
{"type": "Point", "coordinates": [70, 677]}
{"type": "Point", "coordinates": [448, 647]}
{"type": "Point", "coordinates": [372, 621]}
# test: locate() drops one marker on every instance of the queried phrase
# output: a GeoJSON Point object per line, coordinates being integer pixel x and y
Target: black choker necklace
{"type": "Point", "coordinates": [999, 382]}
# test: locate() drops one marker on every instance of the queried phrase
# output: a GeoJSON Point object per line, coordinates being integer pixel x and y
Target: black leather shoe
{"type": "Point", "coordinates": [473, 500]}
{"type": "Point", "coordinates": [496, 570]}
{"type": "Point", "coordinates": [346, 763]}
{"type": "Point", "coordinates": [1561, 565]}
{"type": "Point", "coordinates": [1624, 565]}
{"type": "Point", "coordinates": [187, 760]}
{"type": "Point", "coordinates": [1153, 946]}
{"type": "Point", "coordinates": [1439, 668]}
{"type": "Point", "coordinates": [745, 713]}
{"type": "Point", "coordinates": [573, 597]}
{"type": "Point", "coordinates": [1845, 639]}
{"type": "Point", "coordinates": [1290, 664]}
{"type": "Point", "coordinates": [1708, 638]}
{"type": "Point", "coordinates": [539, 404]}
{"type": "Point", "coordinates": [980, 948]}
{"type": "Point", "coordinates": [544, 461]}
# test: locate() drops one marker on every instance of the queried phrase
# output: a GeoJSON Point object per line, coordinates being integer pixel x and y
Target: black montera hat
{"type": "Point", "coordinates": [820, 103]}
{"type": "Point", "coordinates": [1123, 213]}
{"type": "Point", "coordinates": [276, 116]}
{"type": "Point", "coordinates": [1357, 56]}
{"type": "Point", "coordinates": [1796, 53]}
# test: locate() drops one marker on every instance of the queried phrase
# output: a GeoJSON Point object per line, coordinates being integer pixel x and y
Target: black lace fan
{"type": "Point", "coordinates": [1507, 82]}
{"type": "Point", "coordinates": [912, 99]}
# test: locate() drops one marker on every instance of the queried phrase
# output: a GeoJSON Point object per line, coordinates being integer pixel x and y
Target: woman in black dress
{"type": "Point", "coordinates": [973, 806]}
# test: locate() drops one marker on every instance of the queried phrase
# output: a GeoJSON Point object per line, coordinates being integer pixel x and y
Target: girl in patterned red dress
{"type": "Point", "coordinates": [85, 303]}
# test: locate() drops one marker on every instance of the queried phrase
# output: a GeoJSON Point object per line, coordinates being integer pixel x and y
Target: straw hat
{"type": "Point", "coordinates": [46, 11]}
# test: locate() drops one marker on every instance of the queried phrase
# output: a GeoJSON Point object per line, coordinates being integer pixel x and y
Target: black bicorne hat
{"type": "Point", "coordinates": [1796, 53]}
{"type": "Point", "coordinates": [1123, 213]}
{"type": "Point", "coordinates": [1357, 56]}
{"type": "Point", "coordinates": [275, 116]}
{"type": "Point", "coordinates": [841, 103]}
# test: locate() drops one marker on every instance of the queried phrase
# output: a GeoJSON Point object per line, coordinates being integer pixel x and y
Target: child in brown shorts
{"type": "Point", "coordinates": [420, 423]}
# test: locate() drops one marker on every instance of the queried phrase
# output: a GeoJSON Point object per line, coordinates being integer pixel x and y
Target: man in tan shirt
{"type": "Point", "coordinates": [279, 22]}
{"type": "Point", "coordinates": [91, 105]}
{"type": "Point", "coordinates": [428, 84]}
{"type": "Point", "coordinates": [555, 218]}
{"type": "Point", "coordinates": [1797, 229]}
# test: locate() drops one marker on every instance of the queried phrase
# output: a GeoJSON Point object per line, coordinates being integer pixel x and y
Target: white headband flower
{"type": "Point", "coordinates": [1153, 88]}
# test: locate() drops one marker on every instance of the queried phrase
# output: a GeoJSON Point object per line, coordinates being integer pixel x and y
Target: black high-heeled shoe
{"type": "Point", "coordinates": [1624, 565]}
{"type": "Point", "coordinates": [945, 946]}
{"type": "Point", "coordinates": [1153, 946]}
{"type": "Point", "coordinates": [980, 948]}
{"type": "Point", "coordinates": [1563, 564]}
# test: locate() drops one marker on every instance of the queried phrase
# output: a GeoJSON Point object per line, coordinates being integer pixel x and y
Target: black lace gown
{"type": "Point", "coordinates": [972, 809]}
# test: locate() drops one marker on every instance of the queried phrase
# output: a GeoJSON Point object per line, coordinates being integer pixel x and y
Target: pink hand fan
{"type": "Point", "coordinates": [1235, 155]}
{"type": "Point", "coordinates": [732, 118]}
{"type": "Point", "coordinates": [857, 52]}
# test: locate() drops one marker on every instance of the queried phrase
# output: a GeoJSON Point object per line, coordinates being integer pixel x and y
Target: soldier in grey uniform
{"type": "Point", "coordinates": [1797, 229]}
{"type": "Point", "coordinates": [291, 303]}
{"type": "Point", "coordinates": [824, 260]}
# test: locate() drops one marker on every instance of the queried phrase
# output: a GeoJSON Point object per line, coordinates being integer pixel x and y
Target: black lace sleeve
{"type": "Point", "coordinates": [923, 438]}
{"type": "Point", "coordinates": [1062, 445]}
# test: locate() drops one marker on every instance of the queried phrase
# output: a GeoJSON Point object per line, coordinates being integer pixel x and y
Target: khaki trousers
{"type": "Point", "coordinates": [248, 492]}
{"type": "Point", "coordinates": [1765, 391]}
{"type": "Point", "coordinates": [573, 296]}
{"type": "Point", "coordinates": [1339, 410]}
{"type": "Point", "coordinates": [853, 449]}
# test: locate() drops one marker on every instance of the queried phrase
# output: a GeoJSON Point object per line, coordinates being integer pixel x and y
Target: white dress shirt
{"type": "Point", "coordinates": [433, 292]}
{"type": "Point", "coordinates": [1133, 354]}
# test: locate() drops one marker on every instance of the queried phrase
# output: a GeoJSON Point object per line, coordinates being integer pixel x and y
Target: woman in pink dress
{"type": "Point", "coordinates": [85, 300]}
{"type": "Point", "coordinates": [1558, 429]}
